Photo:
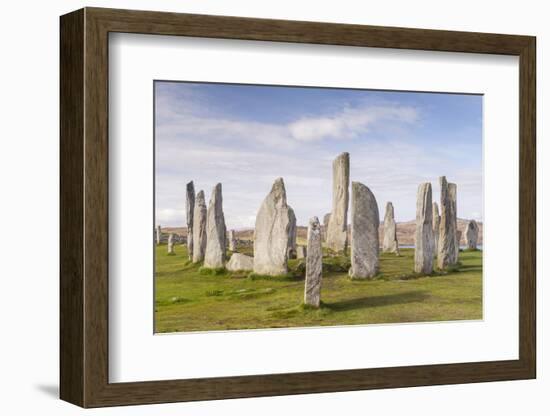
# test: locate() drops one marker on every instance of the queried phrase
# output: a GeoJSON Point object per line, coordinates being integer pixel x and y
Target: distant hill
{"type": "Point", "coordinates": [405, 232]}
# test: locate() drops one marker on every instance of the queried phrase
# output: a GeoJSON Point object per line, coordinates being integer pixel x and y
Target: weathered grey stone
{"type": "Point", "coordinates": [471, 232]}
{"type": "Point", "coordinates": [326, 220]}
{"type": "Point", "coordinates": [447, 248]}
{"type": "Point", "coordinates": [452, 195]}
{"type": "Point", "coordinates": [389, 242]}
{"type": "Point", "coordinates": [365, 221]}
{"type": "Point", "coordinates": [301, 252]}
{"type": "Point", "coordinates": [214, 256]}
{"type": "Point", "coordinates": [292, 234]}
{"type": "Point", "coordinates": [271, 232]}
{"type": "Point", "coordinates": [157, 234]}
{"type": "Point", "coordinates": [171, 244]}
{"type": "Point", "coordinates": [190, 209]}
{"type": "Point", "coordinates": [435, 222]}
{"type": "Point", "coordinates": [232, 240]}
{"type": "Point", "coordinates": [240, 262]}
{"type": "Point", "coordinates": [314, 264]}
{"type": "Point", "coordinates": [337, 240]}
{"type": "Point", "coordinates": [424, 244]}
{"type": "Point", "coordinates": [199, 228]}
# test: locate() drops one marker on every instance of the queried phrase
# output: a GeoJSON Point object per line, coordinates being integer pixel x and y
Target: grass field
{"type": "Point", "coordinates": [186, 299]}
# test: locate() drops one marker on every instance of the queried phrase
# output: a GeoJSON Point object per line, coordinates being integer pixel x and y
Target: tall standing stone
{"type": "Point", "coordinates": [292, 234]}
{"type": "Point", "coordinates": [271, 232]}
{"type": "Point", "coordinates": [314, 264]}
{"type": "Point", "coordinates": [452, 195]}
{"type": "Point", "coordinates": [190, 209]}
{"type": "Point", "coordinates": [423, 244]}
{"type": "Point", "coordinates": [214, 256]}
{"type": "Point", "coordinates": [199, 228]}
{"type": "Point", "coordinates": [232, 241]}
{"type": "Point", "coordinates": [337, 240]}
{"type": "Point", "coordinates": [171, 244]}
{"type": "Point", "coordinates": [471, 232]}
{"type": "Point", "coordinates": [365, 221]}
{"type": "Point", "coordinates": [447, 249]}
{"type": "Point", "coordinates": [157, 234]}
{"type": "Point", "coordinates": [389, 243]}
{"type": "Point", "coordinates": [326, 220]}
{"type": "Point", "coordinates": [435, 220]}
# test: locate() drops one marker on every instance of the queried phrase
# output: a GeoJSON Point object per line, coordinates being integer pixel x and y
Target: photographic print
{"type": "Point", "coordinates": [290, 206]}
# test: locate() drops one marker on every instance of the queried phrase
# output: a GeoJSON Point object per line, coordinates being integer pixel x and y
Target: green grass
{"type": "Point", "coordinates": [191, 298]}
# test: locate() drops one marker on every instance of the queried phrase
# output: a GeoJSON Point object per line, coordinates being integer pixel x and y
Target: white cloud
{"type": "Point", "coordinates": [349, 123]}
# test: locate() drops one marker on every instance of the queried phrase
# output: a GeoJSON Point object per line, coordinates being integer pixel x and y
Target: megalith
{"type": "Point", "coordinates": [326, 220]}
{"type": "Point", "coordinates": [232, 241]}
{"type": "Point", "coordinates": [214, 256]}
{"type": "Point", "coordinates": [292, 234]}
{"type": "Point", "coordinates": [337, 240]}
{"type": "Point", "coordinates": [199, 228]}
{"type": "Point", "coordinates": [365, 221]}
{"type": "Point", "coordinates": [314, 264]}
{"type": "Point", "coordinates": [271, 232]}
{"type": "Point", "coordinates": [189, 210]}
{"type": "Point", "coordinates": [435, 220]}
{"type": "Point", "coordinates": [447, 247]}
{"type": "Point", "coordinates": [471, 232]}
{"type": "Point", "coordinates": [171, 244]}
{"type": "Point", "coordinates": [389, 241]}
{"type": "Point", "coordinates": [423, 241]}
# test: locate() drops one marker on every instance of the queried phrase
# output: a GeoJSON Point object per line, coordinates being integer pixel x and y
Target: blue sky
{"type": "Point", "coordinates": [246, 136]}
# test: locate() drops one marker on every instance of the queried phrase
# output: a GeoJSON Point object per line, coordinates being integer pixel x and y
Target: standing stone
{"type": "Point", "coordinates": [171, 244]}
{"type": "Point", "coordinates": [271, 232]}
{"type": "Point", "coordinates": [457, 245]}
{"type": "Point", "coordinates": [337, 240]}
{"type": "Point", "coordinates": [189, 210]}
{"type": "Point", "coordinates": [292, 234]}
{"type": "Point", "coordinates": [423, 244]}
{"type": "Point", "coordinates": [389, 243]}
{"type": "Point", "coordinates": [326, 220]}
{"type": "Point", "coordinates": [447, 247]}
{"type": "Point", "coordinates": [301, 252]}
{"type": "Point", "coordinates": [157, 236]}
{"type": "Point", "coordinates": [452, 195]}
{"type": "Point", "coordinates": [436, 220]}
{"type": "Point", "coordinates": [314, 264]}
{"type": "Point", "coordinates": [199, 228]}
{"type": "Point", "coordinates": [365, 221]}
{"type": "Point", "coordinates": [214, 256]}
{"type": "Point", "coordinates": [471, 232]}
{"type": "Point", "coordinates": [232, 241]}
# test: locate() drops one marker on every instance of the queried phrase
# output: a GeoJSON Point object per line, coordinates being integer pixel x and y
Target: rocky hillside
{"type": "Point", "coordinates": [405, 232]}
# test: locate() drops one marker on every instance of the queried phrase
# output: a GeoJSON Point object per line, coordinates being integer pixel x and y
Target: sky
{"type": "Point", "coordinates": [246, 136]}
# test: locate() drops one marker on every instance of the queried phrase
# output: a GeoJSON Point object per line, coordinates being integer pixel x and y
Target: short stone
{"type": "Point", "coordinates": [240, 262]}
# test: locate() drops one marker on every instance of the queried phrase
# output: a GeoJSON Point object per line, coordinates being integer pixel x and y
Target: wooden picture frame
{"type": "Point", "coordinates": [84, 207]}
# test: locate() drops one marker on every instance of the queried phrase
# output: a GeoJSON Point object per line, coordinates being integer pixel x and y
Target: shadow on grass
{"type": "Point", "coordinates": [374, 301]}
